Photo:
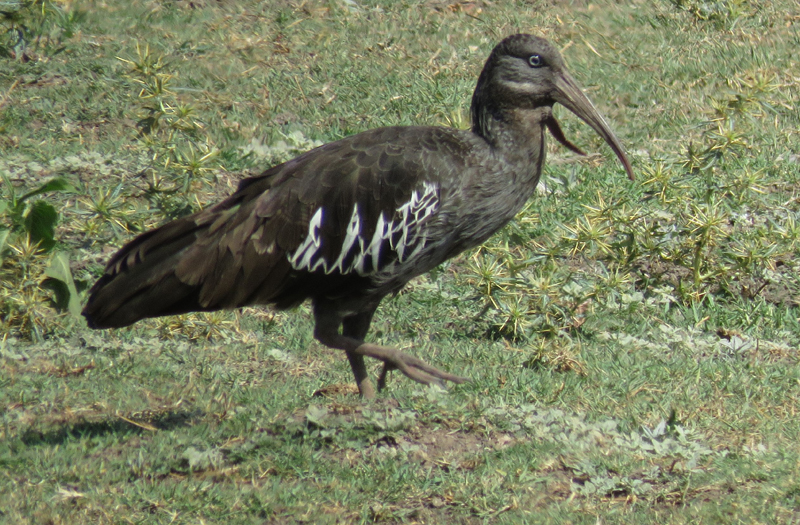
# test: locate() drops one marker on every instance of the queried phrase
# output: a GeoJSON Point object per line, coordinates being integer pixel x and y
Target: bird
{"type": "Point", "coordinates": [352, 221]}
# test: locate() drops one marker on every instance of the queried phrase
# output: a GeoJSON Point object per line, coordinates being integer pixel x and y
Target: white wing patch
{"type": "Point", "coordinates": [303, 256]}
{"type": "Point", "coordinates": [402, 234]}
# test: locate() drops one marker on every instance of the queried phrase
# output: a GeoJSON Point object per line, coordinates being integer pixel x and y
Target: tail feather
{"type": "Point", "coordinates": [207, 261]}
{"type": "Point", "coordinates": [140, 279]}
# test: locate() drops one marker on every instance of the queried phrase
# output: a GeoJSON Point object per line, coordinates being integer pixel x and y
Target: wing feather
{"type": "Point", "coordinates": [342, 211]}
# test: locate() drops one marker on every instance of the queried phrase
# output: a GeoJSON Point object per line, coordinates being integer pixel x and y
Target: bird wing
{"type": "Point", "coordinates": [355, 206]}
{"type": "Point", "coordinates": [349, 209]}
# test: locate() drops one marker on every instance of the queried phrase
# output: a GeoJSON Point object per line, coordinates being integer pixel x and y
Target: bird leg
{"type": "Point", "coordinates": [326, 331]}
{"type": "Point", "coordinates": [356, 327]}
{"type": "Point", "coordinates": [382, 377]}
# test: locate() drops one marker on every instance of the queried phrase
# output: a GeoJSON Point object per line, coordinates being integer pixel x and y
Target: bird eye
{"type": "Point", "coordinates": [536, 61]}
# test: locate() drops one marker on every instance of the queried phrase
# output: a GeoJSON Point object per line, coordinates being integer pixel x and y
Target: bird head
{"type": "Point", "coordinates": [528, 73]}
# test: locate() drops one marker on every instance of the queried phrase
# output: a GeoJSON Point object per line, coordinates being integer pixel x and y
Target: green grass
{"type": "Point", "coordinates": [633, 346]}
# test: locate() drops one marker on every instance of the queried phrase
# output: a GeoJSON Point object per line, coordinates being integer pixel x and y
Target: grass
{"type": "Point", "coordinates": [632, 346]}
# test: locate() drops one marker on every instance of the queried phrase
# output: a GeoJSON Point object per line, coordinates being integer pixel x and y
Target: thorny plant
{"type": "Point", "coordinates": [201, 326]}
{"type": "Point", "coordinates": [170, 129]}
{"type": "Point", "coordinates": [104, 209]}
{"type": "Point", "coordinates": [24, 302]}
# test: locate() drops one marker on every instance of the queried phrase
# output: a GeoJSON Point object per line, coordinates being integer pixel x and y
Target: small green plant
{"type": "Point", "coordinates": [105, 208]}
{"type": "Point", "coordinates": [27, 26]}
{"type": "Point", "coordinates": [34, 277]}
{"type": "Point", "coordinates": [33, 219]}
{"type": "Point", "coordinates": [171, 131]}
{"type": "Point", "coordinates": [556, 354]}
{"type": "Point", "coordinates": [200, 326]}
{"type": "Point", "coordinates": [721, 13]}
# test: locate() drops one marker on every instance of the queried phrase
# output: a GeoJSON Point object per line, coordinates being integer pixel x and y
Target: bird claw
{"type": "Point", "coordinates": [412, 367]}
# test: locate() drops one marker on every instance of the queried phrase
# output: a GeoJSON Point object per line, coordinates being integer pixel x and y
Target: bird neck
{"type": "Point", "coordinates": [516, 134]}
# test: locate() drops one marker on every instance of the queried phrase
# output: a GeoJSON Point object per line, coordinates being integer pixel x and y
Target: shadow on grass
{"type": "Point", "coordinates": [58, 433]}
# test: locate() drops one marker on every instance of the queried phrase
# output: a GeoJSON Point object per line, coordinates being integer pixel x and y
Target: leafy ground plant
{"type": "Point", "coordinates": [32, 26]}
{"type": "Point", "coordinates": [36, 277]}
{"type": "Point", "coordinates": [632, 345]}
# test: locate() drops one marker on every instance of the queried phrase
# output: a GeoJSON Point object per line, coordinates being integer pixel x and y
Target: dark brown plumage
{"type": "Point", "coordinates": [349, 222]}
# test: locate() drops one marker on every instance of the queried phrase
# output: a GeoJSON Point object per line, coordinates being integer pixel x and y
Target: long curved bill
{"type": "Point", "coordinates": [570, 95]}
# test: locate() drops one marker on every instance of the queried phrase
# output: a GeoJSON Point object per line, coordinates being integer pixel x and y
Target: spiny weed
{"type": "Point", "coordinates": [105, 209]}
{"type": "Point", "coordinates": [202, 326]}
{"type": "Point", "coordinates": [588, 235]}
{"type": "Point", "coordinates": [747, 183]}
{"type": "Point", "coordinates": [704, 228]}
{"type": "Point", "coordinates": [557, 354]}
{"type": "Point", "coordinates": [26, 307]}
{"type": "Point", "coordinates": [789, 230]}
{"type": "Point", "coordinates": [172, 132]}
{"type": "Point", "coordinates": [532, 298]}
{"type": "Point", "coordinates": [457, 118]}
{"type": "Point", "coordinates": [490, 274]}
{"type": "Point", "coordinates": [751, 255]}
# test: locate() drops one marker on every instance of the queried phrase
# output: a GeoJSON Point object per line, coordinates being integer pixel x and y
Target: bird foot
{"type": "Point", "coordinates": [366, 389]}
{"type": "Point", "coordinates": [411, 366]}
